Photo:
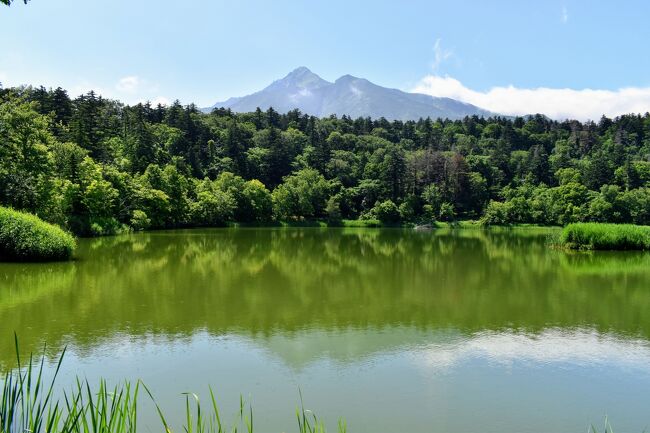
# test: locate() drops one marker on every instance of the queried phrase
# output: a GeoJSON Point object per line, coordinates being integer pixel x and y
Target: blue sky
{"type": "Point", "coordinates": [205, 51]}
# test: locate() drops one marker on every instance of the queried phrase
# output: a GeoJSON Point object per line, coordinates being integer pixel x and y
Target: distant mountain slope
{"type": "Point", "coordinates": [356, 97]}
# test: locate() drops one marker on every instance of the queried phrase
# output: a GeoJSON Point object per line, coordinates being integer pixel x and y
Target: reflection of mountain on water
{"type": "Point", "coordinates": [262, 283]}
{"type": "Point", "coordinates": [433, 351]}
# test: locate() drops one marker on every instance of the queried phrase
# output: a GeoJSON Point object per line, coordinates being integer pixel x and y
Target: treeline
{"type": "Point", "coordinates": [97, 166]}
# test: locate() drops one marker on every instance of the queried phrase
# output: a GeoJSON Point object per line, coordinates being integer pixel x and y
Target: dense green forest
{"type": "Point", "coordinates": [97, 166]}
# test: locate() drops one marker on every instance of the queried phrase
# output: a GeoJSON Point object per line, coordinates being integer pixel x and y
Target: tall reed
{"type": "Point", "coordinates": [28, 405]}
{"type": "Point", "coordinates": [598, 236]}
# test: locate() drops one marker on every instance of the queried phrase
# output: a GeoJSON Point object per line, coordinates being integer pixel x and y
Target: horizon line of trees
{"type": "Point", "coordinates": [96, 166]}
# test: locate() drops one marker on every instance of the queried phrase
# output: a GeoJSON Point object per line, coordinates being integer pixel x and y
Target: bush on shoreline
{"type": "Point", "coordinates": [26, 237]}
{"type": "Point", "coordinates": [597, 236]}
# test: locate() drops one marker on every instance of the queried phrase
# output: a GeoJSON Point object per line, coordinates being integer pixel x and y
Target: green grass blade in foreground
{"type": "Point", "coordinates": [28, 406]}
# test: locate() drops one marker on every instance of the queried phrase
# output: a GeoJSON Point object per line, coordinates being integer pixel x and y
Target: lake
{"type": "Point", "coordinates": [395, 330]}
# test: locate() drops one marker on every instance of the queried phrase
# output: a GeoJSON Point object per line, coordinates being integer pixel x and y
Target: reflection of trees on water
{"type": "Point", "coordinates": [260, 282]}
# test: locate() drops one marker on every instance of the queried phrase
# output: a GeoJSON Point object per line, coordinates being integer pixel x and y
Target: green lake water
{"type": "Point", "coordinates": [394, 330]}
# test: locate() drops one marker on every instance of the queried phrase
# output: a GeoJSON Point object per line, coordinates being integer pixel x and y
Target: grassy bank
{"type": "Point", "coordinates": [375, 223]}
{"type": "Point", "coordinates": [25, 237]}
{"type": "Point", "coordinates": [599, 236]}
{"type": "Point", "coordinates": [319, 223]}
{"type": "Point", "coordinates": [359, 223]}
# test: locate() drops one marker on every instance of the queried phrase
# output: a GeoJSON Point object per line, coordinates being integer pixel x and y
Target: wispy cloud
{"type": "Point", "coordinates": [565, 15]}
{"type": "Point", "coordinates": [556, 103]}
{"type": "Point", "coordinates": [129, 89]}
{"type": "Point", "coordinates": [133, 89]}
{"type": "Point", "coordinates": [84, 86]}
{"type": "Point", "coordinates": [130, 84]}
{"type": "Point", "coordinates": [550, 346]}
{"type": "Point", "coordinates": [440, 55]}
{"type": "Point", "coordinates": [159, 100]}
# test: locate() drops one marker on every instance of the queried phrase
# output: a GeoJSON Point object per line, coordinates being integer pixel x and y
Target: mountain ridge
{"type": "Point", "coordinates": [348, 95]}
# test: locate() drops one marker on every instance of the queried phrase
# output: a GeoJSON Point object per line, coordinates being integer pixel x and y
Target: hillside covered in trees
{"type": "Point", "coordinates": [97, 166]}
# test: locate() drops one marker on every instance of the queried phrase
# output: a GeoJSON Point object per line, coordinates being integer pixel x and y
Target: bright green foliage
{"type": "Point", "coordinates": [26, 237]}
{"type": "Point", "coordinates": [599, 236]}
{"type": "Point", "coordinates": [410, 209]}
{"type": "Point", "coordinates": [496, 214]}
{"type": "Point", "coordinates": [89, 163]}
{"type": "Point", "coordinates": [212, 207]}
{"type": "Point", "coordinates": [140, 220]}
{"type": "Point", "coordinates": [447, 212]}
{"type": "Point", "coordinates": [302, 195]}
{"type": "Point", "coordinates": [386, 212]}
{"type": "Point", "coordinates": [234, 185]}
{"type": "Point", "coordinates": [24, 157]}
{"type": "Point", "coordinates": [256, 202]}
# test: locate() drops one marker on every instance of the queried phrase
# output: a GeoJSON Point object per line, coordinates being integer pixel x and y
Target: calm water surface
{"type": "Point", "coordinates": [395, 330]}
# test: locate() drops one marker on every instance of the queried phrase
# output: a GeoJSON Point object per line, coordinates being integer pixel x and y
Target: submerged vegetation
{"type": "Point", "coordinates": [27, 237]}
{"type": "Point", "coordinates": [96, 166]}
{"type": "Point", "coordinates": [597, 236]}
{"type": "Point", "coordinates": [29, 403]}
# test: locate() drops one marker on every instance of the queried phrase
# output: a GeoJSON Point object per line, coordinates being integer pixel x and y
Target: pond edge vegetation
{"type": "Point", "coordinates": [26, 237]}
{"type": "Point", "coordinates": [97, 167]}
{"type": "Point", "coordinates": [28, 404]}
{"type": "Point", "coordinates": [600, 236]}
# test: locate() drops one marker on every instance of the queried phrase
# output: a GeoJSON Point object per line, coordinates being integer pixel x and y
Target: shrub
{"type": "Point", "coordinates": [212, 208]}
{"type": "Point", "coordinates": [106, 226]}
{"type": "Point", "coordinates": [26, 237]}
{"type": "Point", "coordinates": [597, 236]}
{"type": "Point", "coordinates": [496, 214]}
{"type": "Point", "coordinates": [410, 208]}
{"type": "Point", "coordinates": [386, 212]}
{"type": "Point", "coordinates": [302, 195]}
{"type": "Point", "coordinates": [140, 220]}
{"type": "Point", "coordinates": [333, 209]}
{"type": "Point", "coordinates": [447, 212]}
{"type": "Point", "coordinates": [257, 202]}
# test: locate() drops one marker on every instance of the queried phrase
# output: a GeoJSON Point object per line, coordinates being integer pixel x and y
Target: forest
{"type": "Point", "coordinates": [96, 166]}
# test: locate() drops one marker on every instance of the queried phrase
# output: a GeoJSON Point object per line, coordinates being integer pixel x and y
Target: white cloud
{"type": "Point", "coordinates": [556, 103]}
{"type": "Point", "coordinates": [440, 54]}
{"type": "Point", "coordinates": [83, 87]}
{"type": "Point", "coordinates": [576, 347]}
{"type": "Point", "coordinates": [160, 100]}
{"type": "Point", "coordinates": [565, 15]}
{"type": "Point", "coordinates": [130, 84]}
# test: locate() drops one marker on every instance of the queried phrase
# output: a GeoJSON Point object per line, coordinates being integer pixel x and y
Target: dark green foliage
{"type": "Point", "coordinates": [599, 236]}
{"type": "Point", "coordinates": [96, 166]}
{"type": "Point", "coordinates": [26, 237]}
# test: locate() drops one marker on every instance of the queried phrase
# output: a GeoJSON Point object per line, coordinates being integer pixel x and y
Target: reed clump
{"type": "Point", "coordinates": [28, 405]}
{"type": "Point", "coordinates": [599, 236]}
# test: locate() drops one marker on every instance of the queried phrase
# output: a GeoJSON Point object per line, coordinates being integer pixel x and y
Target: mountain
{"type": "Point", "coordinates": [356, 97]}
